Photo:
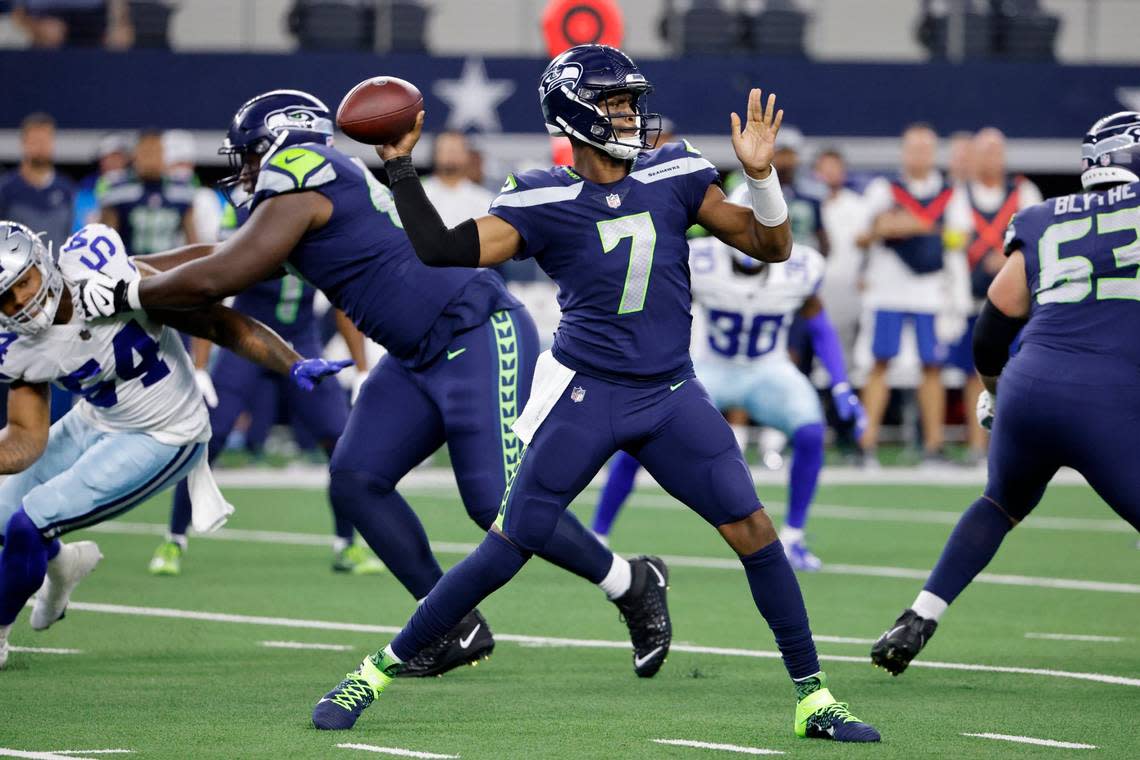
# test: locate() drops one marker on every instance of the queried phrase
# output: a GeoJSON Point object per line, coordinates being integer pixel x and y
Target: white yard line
{"type": "Point", "coordinates": [288, 538]}
{"type": "Point", "coordinates": [5, 752]}
{"type": "Point", "coordinates": [1031, 740]}
{"type": "Point", "coordinates": [397, 751]}
{"type": "Point", "coordinates": [307, 476]}
{"type": "Point", "coordinates": [722, 747]}
{"type": "Point", "coordinates": [1076, 637]}
{"type": "Point", "coordinates": [93, 751]}
{"type": "Point", "coordinates": [45, 650]}
{"type": "Point", "coordinates": [306, 645]}
{"type": "Point", "coordinates": [324, 625]}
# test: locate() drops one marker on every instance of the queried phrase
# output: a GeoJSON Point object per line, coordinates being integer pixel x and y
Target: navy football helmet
{"type": "Point", "coordinates": [1110, 153]}
{"type": "Point", "coordinates": [20, 251]}
{"type": "Point", "coordinates": [573, 93]}
{"type": "Point", "coordinates": [271, 121]}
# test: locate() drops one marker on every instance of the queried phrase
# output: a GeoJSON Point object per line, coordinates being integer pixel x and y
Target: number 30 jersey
{"type": "Point", "coordinates": [131, 374]}
{"type": "Point", "coordinates": [619, 257]}
{"type": "Point", "coordinates": [1082, 266]}
{"type": "Point", "coordinates": [747, 316]}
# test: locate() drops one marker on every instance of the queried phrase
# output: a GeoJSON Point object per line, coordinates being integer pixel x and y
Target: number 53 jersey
{"type": "Point", "coordinates": [619, 256]}
{"type": "Point", "coordinates": [131, 374]}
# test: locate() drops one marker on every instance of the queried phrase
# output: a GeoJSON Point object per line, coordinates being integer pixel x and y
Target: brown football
{"type": "Point", "coordinates": [380, 110]}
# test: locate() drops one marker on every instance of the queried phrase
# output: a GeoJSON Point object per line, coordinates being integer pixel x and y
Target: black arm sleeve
{"type": "Point", "coordinates": [435, 244]}
{"type": "Point", "coordinates": [993, 334]}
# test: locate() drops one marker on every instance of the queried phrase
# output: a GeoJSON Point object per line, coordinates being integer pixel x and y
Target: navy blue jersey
{"type": "Point", "coordinates": [363, 261]}
{"type": "Point", "coordinates": [150, 211]}
{"type": "Point", "coordinates": [804, 215]}
{"type": "Point", "coordinates": [48, 209]}
{"type": "Point", "coordinates": [620, 258]}
{"type": "Point", "coordinates": [1082, 263]}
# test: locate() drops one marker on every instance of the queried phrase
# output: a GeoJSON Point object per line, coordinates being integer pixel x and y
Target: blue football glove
{"type": "Point", "coordinates": [849, 409]}
{"type": "Point", "coordinates": [308, 372]}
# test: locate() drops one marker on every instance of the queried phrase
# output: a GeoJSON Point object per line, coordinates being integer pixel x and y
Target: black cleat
{"type": "Point", "coordinates": [465, 644]}
{"type": "Point", "coordinates": [897, 647]}
{"type": "Point", "coordinates": [644, 610]}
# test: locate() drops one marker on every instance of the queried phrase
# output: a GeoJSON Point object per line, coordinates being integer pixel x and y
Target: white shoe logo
{"type": "Point", "coordinates": [466, 640]}
{"type": "Point", "coordinates": [323, 700]}
{"type": "Point", "coordinates": [639, 661]}
{"type": "Point", "coordinates": [660, 577]}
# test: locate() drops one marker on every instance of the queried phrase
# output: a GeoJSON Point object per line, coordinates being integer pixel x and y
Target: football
{"type": "Point", "coordinates": [379, 110]}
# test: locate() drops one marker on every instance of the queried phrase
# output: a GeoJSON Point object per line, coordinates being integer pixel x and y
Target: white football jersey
{"type": "Point", "coordinates": [747, 316]}
{"type": "Point", "coordinates": [131, 374]}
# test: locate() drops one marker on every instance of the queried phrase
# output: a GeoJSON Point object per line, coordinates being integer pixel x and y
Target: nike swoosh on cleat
{"type": "Point", "coordinates": [323, 700]}
{"type": "Point", "coordinates": [660, 577]}
{"type": "Point", "coordinates": [639, 661]}
{"type": "Point", "coordinates": [466, 640]}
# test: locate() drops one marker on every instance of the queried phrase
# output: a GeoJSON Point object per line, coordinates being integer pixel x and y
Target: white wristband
{"type": "Point", "coordinates": [768, 204]}
{"type": "Point", "coordinates": [133, 295]}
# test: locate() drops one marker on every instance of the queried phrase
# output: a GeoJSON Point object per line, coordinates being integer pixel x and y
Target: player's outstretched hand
{"type": "Point", "coordinates": [308, 372]}
{"type": "Point", "coordinates": [403, 146]}
{"type": "Point", "coordinates": [755, 143]}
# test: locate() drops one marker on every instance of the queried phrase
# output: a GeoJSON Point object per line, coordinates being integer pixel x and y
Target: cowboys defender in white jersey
{"type": "Point", "coordinates": [139, 426]}
{"type": "Point", "coordinates": [748, 308]}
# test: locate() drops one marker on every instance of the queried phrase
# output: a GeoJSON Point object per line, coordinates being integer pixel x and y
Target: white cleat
{"type": "Point", "coordinates": [73, 563]}
{"type": "Point", "coordinates": [4, 629]}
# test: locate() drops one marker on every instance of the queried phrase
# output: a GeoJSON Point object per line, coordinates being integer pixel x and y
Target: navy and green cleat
{"type": "Point", "coordinates": [167, 559]}
{"type": "Point", "coordinates": [357, 560]}
{"type": "Point", "coordinates": [341, 708]}
{"type": "Point", "coordinates": [820, 716]}
{"type": "Point", "coordinates": [894, 650]}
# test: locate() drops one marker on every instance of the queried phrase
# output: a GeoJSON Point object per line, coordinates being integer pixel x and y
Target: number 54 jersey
{"type": "Point", "coordinates": [747, 315]}
{"type": "Point", "coordinates": [619, 256]}
{"type": "Point", "coordinates": [131, 374]}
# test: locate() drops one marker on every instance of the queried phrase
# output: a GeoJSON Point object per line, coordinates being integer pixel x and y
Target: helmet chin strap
{"type": "Point", "coordinates": [1107, 175]}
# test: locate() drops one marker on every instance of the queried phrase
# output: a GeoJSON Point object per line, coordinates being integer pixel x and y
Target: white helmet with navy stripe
{"type": "Point", "coordinates": [1110, 153]}
{"type": "Point", "coordinates": [22, 250]}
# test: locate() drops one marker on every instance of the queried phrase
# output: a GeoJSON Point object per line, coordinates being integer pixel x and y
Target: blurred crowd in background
{"type": "Point", "coordinates": [904, 319]}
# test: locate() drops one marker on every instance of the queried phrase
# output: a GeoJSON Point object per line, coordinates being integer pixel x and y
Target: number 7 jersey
{"type": "Point", "coordinates": [619, 256]}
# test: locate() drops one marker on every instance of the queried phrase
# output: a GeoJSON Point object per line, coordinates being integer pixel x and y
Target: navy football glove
{"type": "Point", "coordinates": [308, 372]}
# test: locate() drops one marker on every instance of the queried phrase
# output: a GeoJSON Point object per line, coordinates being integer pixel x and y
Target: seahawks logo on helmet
{"type": "Point", "coordinates": [297, 118]}
{"type": "Point", "coordinates": [567, 74]}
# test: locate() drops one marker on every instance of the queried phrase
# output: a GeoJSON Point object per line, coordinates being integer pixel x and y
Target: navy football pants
{"type": "Point", "coordinates": [677, 435]}
{"type": "Point", "coordinates": [1043, 424]}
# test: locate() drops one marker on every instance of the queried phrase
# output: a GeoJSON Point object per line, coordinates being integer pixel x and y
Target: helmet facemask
{"type": "Point", "coordinates": [23, 255]}
{"type": "Point", "coordinates": [608, 132]}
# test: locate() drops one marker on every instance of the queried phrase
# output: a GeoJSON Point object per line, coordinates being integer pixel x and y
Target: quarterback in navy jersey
{"type": "Point", "coordinates": [1071, 289]}
{"type": "Point", "coordinates": [461, 354]}
{"type": "Point", "coordinates": [234, 385]}
{"type": "Point", "coordinates": [610, 231]}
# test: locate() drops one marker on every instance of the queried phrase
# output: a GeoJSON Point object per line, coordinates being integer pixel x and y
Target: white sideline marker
{"type": "Point", "coordinates": [46, 650]}
{"type": "Point", "coordinates": [397, 751]}
{"type": "Point", "coordinates": [722, 747]}
{"type": "Point", "coordinates": [327, 625]}
{"type": "Point", "coordinates": [61, 754]}
{"type": "Point", "coordinates": [1031, 740]}
{"type": "Point", "coordinates": [709, 563]}
{"type": "Point", "coordinates": [306, 645]}
{"type": "Point", "coordinates": [1075, 637]}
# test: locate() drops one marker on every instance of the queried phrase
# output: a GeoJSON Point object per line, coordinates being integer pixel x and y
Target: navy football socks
{"type": "Point", "coordinates": [777, 596]}
{"type": "Point", "coordinates": [807, 461]}
{"type": "Point", "coordinates": [390, 528]}
{"type": "Point", "coordinates": [23, 564]}
{"type": "Point", "coordinates": [576, 549]}
{"type": "Point", "coordinates": [969, 549]}
{"type": "Point", "coordinates": [494, 562]}
{"type": "Point", "coordinates": [619, 484]}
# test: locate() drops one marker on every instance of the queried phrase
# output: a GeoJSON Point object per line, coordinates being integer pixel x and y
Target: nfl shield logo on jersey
{"type": "Point", "coordinates": [577, 394]}
{"type": "Point", "coordinates": [613, 200]}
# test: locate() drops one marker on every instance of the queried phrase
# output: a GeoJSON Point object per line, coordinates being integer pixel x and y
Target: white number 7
{"type": "Point", "coordinates": [640, 228]}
